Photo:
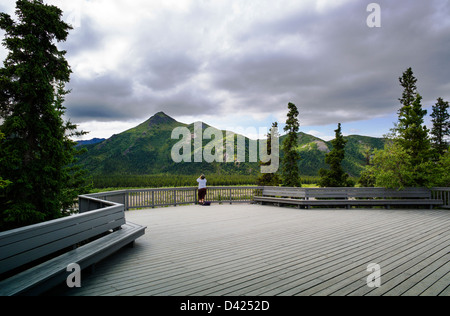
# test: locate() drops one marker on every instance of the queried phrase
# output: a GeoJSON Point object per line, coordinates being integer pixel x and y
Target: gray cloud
{"type": "Point", "coordinates": [167, 71]}
{"type": "Point", "coordinates": [335, 67]}
{"type": "Point", "coordinates": [100, 98]}
{"type": "Point", "coordinates": [225, 57]}
{"type": "Point", "coordinates": [84, 38]}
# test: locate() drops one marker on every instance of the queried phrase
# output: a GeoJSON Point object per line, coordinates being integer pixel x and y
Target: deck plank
{"type": "Point", "coordinates": [245, 249]}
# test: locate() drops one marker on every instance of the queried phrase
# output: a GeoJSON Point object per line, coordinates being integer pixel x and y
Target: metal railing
{"type": "Point", "coordinates": [442, 194]}
{"type": "Point", "coordinates": [151, 198]}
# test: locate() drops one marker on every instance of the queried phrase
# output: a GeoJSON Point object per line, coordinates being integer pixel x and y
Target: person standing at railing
{"type": "Point", "coordinates": [201, 189]}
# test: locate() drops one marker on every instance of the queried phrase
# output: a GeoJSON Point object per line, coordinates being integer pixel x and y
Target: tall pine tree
{"type": "Point", "coordinates": [408, 82]}
{"type": "Point", "coordinates": [289, 170]}
{"type": "Point", "coordinates": [335, 176]}
{"type": "Point", "coordinates": [36, 153]}
{"type": "Point", "coordinates": [406, 158]}
{"type": "Point", "coordinates": [412, 134]}
{"type": "Point", "coordinates": [410, 131]}
{"type": "Point", "coordinates": [441, 127]}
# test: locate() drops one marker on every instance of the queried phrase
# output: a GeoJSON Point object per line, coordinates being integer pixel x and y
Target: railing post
{"type": "Point", "coordinates": [153, 199]}
{"type": "Point", "coordinates": [442, 194]}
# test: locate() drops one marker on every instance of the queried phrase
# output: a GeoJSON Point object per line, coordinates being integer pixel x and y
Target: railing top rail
{"type": "Point", "coordinates": [62, 220]}
{"type": "Point", "coordinates": [92, 198]}
{"type": "Point", "coordinates": [118, 192]}
{"type": "Point", "coordinates": [193, 188]}
{"type": "Point", "coordinates": [441, 189]}
{"type": "Point", "coordinates": [106, 193]}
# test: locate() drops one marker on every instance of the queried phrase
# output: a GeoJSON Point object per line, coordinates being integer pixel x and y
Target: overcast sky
{"type": "Point", "coordinates": [237, 64]}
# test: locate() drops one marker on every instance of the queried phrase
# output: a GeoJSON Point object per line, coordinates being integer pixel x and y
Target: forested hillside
{"type": "Point", "coordinates": [146, 150]}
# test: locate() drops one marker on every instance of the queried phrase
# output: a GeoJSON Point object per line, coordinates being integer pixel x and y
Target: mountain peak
{"type": "Point", "coordinates": [160, 118]}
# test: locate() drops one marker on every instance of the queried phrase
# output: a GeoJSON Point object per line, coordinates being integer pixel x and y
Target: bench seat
{"type": "Point", "coordinates": [35, 258]}
{"type": "Point", "coordinates": [48, 274]}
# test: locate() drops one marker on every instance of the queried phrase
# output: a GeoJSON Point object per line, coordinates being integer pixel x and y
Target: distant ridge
{"type": "Point", "coordinates": [90, 141]}
{"type": "Point", "coordinates": [146, 149]}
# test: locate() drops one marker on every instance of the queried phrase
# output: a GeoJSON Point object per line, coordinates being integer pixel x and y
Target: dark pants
{"type": "Point", "coordinates": [201, 194]}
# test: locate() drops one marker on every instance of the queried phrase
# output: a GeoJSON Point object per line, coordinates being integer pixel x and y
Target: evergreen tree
{"type": "Point", "coordinates": [410, 131]}
{"type": "Point", "coordinates": [335, 176]}
{"type": "Point", "coordinates": [406, 158]}
{"type": "Point", "coordinates": [289, 171]}
{"type": "Point", "coordinates": [412, 134]}
{"type": "Point", "coordinates": [408, 82]}
{"type": "Point", "coordinates": [36, 153]}
{"type": "Point", "coordinates": [441, 127]}
{"type": "Point", "coordinates": [3, 183]}
{"type": "Point", "coordinates": [269, 179]}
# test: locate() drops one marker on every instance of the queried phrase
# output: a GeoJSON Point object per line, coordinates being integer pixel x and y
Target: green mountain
{"type": "Point", "coordinates": [146, 149]}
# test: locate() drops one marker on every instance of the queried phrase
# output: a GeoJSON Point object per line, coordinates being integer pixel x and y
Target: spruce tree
{"type": "Point", "coordinates": [37, 153]}
{"type": "Point", "coordinates": [335, 176]}
{"type": "Point", "coordinates": [412, 134]}
{"type": "Point", "coordinates": [408, 82]}
{"type": "Point", "coordinates": [406, 159]}
{"type": "Point", "coordinates": [410, 131]}
{"type": "Point", "coordinates": [289, 170]}
{"type": "Point", "coordinates": [441, 127]}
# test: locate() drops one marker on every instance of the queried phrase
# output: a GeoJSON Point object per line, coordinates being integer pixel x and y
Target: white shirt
{"type": "Point", "coordinates": [201, 183]}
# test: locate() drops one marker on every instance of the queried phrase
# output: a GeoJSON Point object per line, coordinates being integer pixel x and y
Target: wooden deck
{"type": "Point", "coordinates": [234, 250]}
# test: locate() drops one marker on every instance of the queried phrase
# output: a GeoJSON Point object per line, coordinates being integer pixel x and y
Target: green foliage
{"type": "Point", "coordinates": [441, 127]}
{"type": "Point", "coordinates": [441, 174]}
{"type": "Point", "coordinates": [411, 133]}
{"type": "Point", "coordinates": [408, 82]}
{"type": "Point", "coordinates": [391, 167]}
{"type": "Point", "coordinates": [3, 183]}
{"type": "Point", "coordinates": [335, 176]}
{"type": "Point", "coordinates": [102, 182]}
{"type": "Point", "coordinates": [394, 167]}
{"type": "Point", "coordinates": [289, 167]}
{"type": "Point", "coordinates": [407, 159]}
{"type": "Point", "coordinates": [37, 151]}
{"type": "Point", "coordinates": [168, 180]}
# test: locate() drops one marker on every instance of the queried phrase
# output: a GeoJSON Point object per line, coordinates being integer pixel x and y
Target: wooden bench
{"type": "Point", "coordinates": [35, 258]}
{"type": "Point", "coordinates": [347, 197]}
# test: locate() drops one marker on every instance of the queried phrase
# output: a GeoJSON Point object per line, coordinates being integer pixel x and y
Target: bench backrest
{"type": "Point", "coordinates": [24, 245]}
{"type": "Point", "coordinates": [413, 193]}
{"type": "Point", "coordinates": [284, 192]}
{"type": "Point", "coordinates": [326, 193]}
{"type": "Point", "coordinates": [407, 193]}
